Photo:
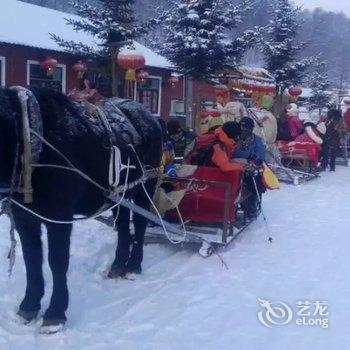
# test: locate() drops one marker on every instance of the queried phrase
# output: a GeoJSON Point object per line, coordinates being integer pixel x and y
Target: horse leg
{"type": "Point", "coordinates": [58, 243]}
{"type": "Point", "coordinates": [140, 224]}
{"type": "Point", "coordinates": [124, 239]}
{"type": "Point", "coordinates": [29, 232]}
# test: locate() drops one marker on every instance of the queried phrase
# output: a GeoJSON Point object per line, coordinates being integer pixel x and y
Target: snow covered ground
{"type": "Point", "coordinates": [183, 301]}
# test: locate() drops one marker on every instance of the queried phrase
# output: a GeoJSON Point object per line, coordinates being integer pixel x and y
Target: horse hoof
{"type": "Point", "coordinates": [116, 272]}
{"type": "Point", "coordinates": [52, 326]}
{"type": "Point", "coordinates": [27, 316]}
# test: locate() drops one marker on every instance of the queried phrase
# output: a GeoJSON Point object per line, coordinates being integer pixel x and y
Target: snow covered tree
{"type": "Point", "coordinates": [112, 23]}
{"type": "Point", "coordinates": [280, 46]}
{"type": "Point", "coordinates": [319, 84]}
{"type": "Point", "coordinates": [197, 36]}
{"type": "Point", "coordinates": [198, 41]}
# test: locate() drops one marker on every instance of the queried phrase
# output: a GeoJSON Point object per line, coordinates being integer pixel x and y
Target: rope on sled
{"type": "Point", "coordinates": [114, 167]}
{"type": "Point", "coordinates": [156, 209]}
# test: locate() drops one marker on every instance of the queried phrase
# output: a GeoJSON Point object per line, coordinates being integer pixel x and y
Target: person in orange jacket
{"type": "Point", "coordinates": [215, 147]}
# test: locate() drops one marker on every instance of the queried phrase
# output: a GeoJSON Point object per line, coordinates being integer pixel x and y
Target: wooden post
{"type": "Point", "coordinates": [113, 54]}
{"type": "Point", "coordinates": [189, 102]}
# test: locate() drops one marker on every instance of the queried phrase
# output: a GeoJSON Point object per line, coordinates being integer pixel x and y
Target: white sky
{"type": "Point", "coordinates": [332, 5]}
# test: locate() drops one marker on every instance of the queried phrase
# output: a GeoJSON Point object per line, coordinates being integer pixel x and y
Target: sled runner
{"type": "Point", "coordinates": [209, 212]}
{"type": "Point", "coordinates": [297, 161]}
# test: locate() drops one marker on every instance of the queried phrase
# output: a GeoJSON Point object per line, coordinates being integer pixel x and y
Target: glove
{"type": "Point", "coordinates": [170, 170]}
{"type": "Point", "coordinates": [251, 170]}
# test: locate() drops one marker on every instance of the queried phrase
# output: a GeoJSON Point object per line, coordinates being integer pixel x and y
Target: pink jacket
{"type": "Point", "coordinates": [295, 125]}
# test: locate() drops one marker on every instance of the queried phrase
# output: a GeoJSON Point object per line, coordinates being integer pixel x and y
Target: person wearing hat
{"type": "Point", "coordinates": [230, 110]}
{"type": "Point", "coordinates": [214, 148]}
{"type": "Point", "coordinates": [180, 138]}
{"type": "Point", "coordinates": [295, 125]}
{"type": "Point", "coordinates": [291, 126]}
{"type": "Point", "coordinates": [251, 149]}
{"type": "Point", "coordinates": [250, 146]}
{"type": "Point", "coordinates": [335, 132]}
{"type": "Point", "coordinates": [312, 132]}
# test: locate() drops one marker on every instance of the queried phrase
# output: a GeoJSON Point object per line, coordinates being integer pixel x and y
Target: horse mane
{"type": "Point", "coordinates": [54, 102]}
{"type": "Point", "coordinates": [9, 104]}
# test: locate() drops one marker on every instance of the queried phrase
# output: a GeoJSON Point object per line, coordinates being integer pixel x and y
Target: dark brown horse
{"type": "Point", "coordinates": [60, 194]}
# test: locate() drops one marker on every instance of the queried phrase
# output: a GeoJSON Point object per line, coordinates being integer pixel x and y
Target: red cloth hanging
{"type": "Point", "coordinates": [206, 203]}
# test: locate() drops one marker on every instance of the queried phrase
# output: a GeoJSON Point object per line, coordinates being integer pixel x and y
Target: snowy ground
{"type": "Point", "coordinates": [185, 302]}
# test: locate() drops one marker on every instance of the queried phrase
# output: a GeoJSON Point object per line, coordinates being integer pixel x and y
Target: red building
{"type": "Point", "coordinates": [25, 42]}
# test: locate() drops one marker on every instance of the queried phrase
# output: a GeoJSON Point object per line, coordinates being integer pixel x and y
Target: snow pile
{"type": "Point", "coordinates": [185, 302]}
{"type": "Point", "coordinates": [30, 25]}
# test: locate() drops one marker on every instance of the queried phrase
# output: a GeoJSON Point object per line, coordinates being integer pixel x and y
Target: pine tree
{"type": "Point", "coordinates": [280, 47]}
{"type": "Point", "coordinates": [319, 84]}
{"type": "Point", "coordinates": [112, 23]}
{"type": "Point", "coordinates": [197, 36]}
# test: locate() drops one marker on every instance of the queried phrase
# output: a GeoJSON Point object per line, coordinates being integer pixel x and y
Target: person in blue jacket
{"type": "Point", "coordinates": [251, 147]}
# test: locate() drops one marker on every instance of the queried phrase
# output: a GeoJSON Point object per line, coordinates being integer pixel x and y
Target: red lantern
{"type": "Point", "coordinates": [173, 80]}
{"type": "Point", "coordinates": [142, 76]}
{"type": "Point", "coordinates": [79, 68]}
{"type": "Point", "coordinates": [131, 62]}
{"type": "Point", "coordinates": [295, 91]}
{"type": "Point", "coordinates": [49, 65]}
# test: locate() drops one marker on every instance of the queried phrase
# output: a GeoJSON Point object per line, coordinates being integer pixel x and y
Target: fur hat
{"type": "Point", "coordinates": [247, 123]}
{"type": "Point", "coordinates": [292, 109]}
{"type": "Point", "coordinates": [232, 129]}
{"type": "Point", "coordinates": [173, 126]}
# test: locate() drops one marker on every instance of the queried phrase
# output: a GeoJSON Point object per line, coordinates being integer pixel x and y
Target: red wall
{"type": "Point", "coordinates": [16, 63]}
{"type": "Point", "coordinates": [16, 73]}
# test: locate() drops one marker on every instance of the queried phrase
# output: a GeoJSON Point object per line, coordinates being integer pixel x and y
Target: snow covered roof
{"type": "Point", "coordinates": [29, 25]}
{"type": "Point", "coordinates": [255, 72]}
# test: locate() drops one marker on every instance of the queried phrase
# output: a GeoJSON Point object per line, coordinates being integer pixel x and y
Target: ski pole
{"type": "Point", "coordinates": [270, 239]}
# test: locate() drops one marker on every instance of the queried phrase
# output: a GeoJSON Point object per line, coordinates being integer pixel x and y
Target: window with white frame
{"type": "Point", "coordinates": [2, 71]}
{"type": "Point", "coordinates": [149, 92]}
{"type": "Point", "coordinates": [37, 77]}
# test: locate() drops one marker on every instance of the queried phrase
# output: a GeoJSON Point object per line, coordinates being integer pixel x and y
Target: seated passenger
{"type": "Point", "coordinates": [180, 138]}
{"type": "Point", "coordinates": [311, 133]}
{"type": "Point", "coordinates": [215, 147]}
{"type": "Point", "coordinates": [295, 125]}
{"type": "Point", "coordinates": [251, 148]}
{"type": "Point", "coordinates": [291, 126]}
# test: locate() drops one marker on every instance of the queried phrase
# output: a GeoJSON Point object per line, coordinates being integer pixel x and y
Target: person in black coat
{"type": "Point", "coordinates": [251, 148]}
{"type": "Point", "coordinates": [331, 142]}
